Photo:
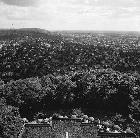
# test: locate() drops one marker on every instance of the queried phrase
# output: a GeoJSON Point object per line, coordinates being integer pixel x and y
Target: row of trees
{"type": "Point", "coordinates": [97, 89]}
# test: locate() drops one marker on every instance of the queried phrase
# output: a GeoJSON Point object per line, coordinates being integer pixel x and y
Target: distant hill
{"type": "Point", "coordinates": [9, 34]}
{"type": "Point", "coordinates": [18, 34]}
{"type": "Point", "coordinates": [38, 30]}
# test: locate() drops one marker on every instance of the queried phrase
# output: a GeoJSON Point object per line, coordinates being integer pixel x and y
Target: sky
{"type": "Point", "coordinates": [71, 14]}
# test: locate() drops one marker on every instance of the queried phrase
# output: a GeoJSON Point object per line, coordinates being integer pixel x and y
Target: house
{"type": "Point", "coordinates": [67, 128]}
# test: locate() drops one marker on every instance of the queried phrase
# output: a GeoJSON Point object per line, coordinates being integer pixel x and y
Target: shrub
{"type": "Point", "coordinates": [10, 121]}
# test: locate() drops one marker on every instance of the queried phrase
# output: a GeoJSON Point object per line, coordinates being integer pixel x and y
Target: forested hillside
{"type": "Point", "coordinates": [44, 71]}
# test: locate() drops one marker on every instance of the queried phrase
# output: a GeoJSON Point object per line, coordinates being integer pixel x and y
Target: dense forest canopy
{"type": "Point", "coordinates": [42, 71]}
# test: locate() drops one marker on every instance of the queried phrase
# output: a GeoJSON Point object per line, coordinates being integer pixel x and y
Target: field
{"type": "Point", "coordinates": [63, 72]}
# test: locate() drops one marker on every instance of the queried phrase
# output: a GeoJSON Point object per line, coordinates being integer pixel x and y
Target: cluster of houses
{"type": "Point", "coordinates": [102, 126]}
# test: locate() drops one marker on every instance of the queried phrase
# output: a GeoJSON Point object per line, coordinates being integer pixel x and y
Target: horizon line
{"type": "Point", "coordinates": [63, 30]}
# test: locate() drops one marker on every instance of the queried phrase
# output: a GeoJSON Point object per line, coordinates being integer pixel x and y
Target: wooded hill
{"type": "Point", "coordinates": [42, 71]}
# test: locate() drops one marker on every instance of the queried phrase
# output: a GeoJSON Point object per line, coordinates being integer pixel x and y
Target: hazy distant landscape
{"type": "Point", "coordinates": [96, 72]}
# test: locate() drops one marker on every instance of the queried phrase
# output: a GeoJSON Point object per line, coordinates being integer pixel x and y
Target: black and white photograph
{"type": "Point", "coordinates": [69, 68]}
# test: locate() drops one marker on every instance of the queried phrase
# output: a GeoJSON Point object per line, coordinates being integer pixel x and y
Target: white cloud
{"type": "Point", "coordinates": [72, 14]}
{"type": "Point", "coordinates": [21, 3]}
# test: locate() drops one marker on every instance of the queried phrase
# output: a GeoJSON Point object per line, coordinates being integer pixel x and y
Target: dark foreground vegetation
{"type": "Point", "coordinates": [47, 72]}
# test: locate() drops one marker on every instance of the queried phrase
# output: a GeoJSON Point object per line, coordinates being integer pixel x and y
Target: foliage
{"type": "Point", "coordinates": [53, 71]}
{"type": "Point", "coordinates": [100, 89]}
{"type": "Point", "coordinates": [10, 122]}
